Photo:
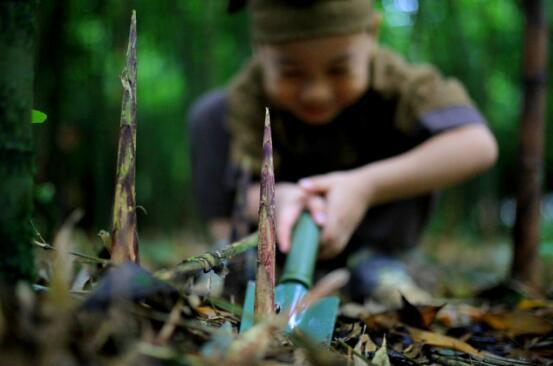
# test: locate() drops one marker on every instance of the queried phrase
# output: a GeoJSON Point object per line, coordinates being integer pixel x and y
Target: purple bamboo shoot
{"type": "Point", "coordinates": [265, 281]}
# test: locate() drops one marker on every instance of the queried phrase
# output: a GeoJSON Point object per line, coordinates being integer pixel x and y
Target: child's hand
{"type": "Point", "coordinates": [346, 199]}
{"type": "Point", "coordinates": [291, 201]}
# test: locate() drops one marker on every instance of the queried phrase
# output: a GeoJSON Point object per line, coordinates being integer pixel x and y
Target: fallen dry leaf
{"type": "Point", "coordinates": [381, 321]}
{"type": "Point", "coordinates": [418, 316]}
{"type": "Point", "coordinates": [460, 315]}
{"type": "Point", "coordinates": [253, 344]}
{"type": "Point", "coordinates": [206, 311]}
{"type": "Point", "coordinates": [518, 323]}
{"type": "Point", "coordinates": [528, 304]}
{"type": "Point", "coordinates": [440, 340]}
{"type": "Point", "coordinates": [381, 355]}
{"type": "Point", "coordinates": [365, 345]}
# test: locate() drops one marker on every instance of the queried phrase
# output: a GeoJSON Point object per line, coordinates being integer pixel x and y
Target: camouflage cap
{"type": "Point", "coordinates": [274, 21]}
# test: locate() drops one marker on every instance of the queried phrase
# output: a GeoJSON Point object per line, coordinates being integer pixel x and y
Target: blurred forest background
{"type": "Point", "coordinates": [188, 47]}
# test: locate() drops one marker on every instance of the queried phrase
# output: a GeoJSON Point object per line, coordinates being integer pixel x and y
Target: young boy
{"type": "Point", "coordinates": [361, 138]}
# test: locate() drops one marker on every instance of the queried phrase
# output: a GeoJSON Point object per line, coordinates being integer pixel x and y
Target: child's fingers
{"type": "Point", "coordinates": [336, 231]}
{"type": "Point", "coordinates": [317, 206]}
{"type": "Point", "coordinates": [328, 248]}
{"type": "Point", "coordinates": [285, 223]}
{"type": "Point", "coordinates": [316, 184]}
{"type": "Point", "coordinates": [331, 246]}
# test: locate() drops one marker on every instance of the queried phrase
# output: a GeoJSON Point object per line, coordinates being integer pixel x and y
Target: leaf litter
{"type": "Point", "coordinates": [140, 321]}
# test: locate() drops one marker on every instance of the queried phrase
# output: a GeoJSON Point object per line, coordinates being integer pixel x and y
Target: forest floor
{"type": "Point", "coordinates": [453, 267]}
{"type": "Point", "coordinates": [65, 322]}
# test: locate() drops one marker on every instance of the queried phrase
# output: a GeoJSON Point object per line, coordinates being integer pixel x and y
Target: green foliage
{"type": "Point", "coordinates": [38, 116]}
{"type": "Point", "coordinates": [44, 193]}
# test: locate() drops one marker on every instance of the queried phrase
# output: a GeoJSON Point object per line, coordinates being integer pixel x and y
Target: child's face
{"type": "Point", "coordinates": [315, 79]}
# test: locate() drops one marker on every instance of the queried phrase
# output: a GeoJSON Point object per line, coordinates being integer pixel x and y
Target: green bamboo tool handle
{"type": "Point", "coordinates": [300, 262]}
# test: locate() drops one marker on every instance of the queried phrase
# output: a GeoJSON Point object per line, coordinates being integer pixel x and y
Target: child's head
{"type": "Point", "coordinates": [314, 54]}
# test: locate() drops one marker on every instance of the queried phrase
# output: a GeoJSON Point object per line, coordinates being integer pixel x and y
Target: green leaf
{"type": "Point", "coordinates": [38, 116]}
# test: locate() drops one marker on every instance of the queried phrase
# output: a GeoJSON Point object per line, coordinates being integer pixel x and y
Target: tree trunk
{"type": "Point", "coordinates": [527, 224]}
{"type": "Point", "coordinates": [17, 30]}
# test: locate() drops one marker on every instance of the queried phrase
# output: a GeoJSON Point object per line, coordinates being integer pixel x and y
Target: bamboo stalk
{"type": "Point", "coordinates": [208, 261]}
{"type": "Point", "coordinates": [265, 279]}
{"type": "Point", "coordinates": [526, 238]}
{"type": "Point", "coordinates": [124, 234]}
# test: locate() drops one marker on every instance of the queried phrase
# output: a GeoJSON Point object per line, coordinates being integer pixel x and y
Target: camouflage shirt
{"type": "Point", "coordinates": [403, 105]}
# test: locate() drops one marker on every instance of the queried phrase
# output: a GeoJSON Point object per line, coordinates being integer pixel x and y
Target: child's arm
{"type": "Point", "coordinates": [443, 160]}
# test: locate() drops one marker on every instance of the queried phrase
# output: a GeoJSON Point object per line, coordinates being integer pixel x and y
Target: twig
{"type": "Point", "coordinates": [265, 279]}
{"type": "Point", "coordinates": [164, 317]}
{"type": "Point", "coordinates": [91, 258]}
{"type": "Point", "coordinates": [44, 245]}
{"type": "Point", "coordinates": [166, 353]}
{"type": "Point", "coordinates": [44, 289]}
{"type": "Point", "coordinates": [207, 261]}
{"type": "Point", "coordinates": [170, 325]}
{"type": "Point", "coordinates": [37, 233]}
